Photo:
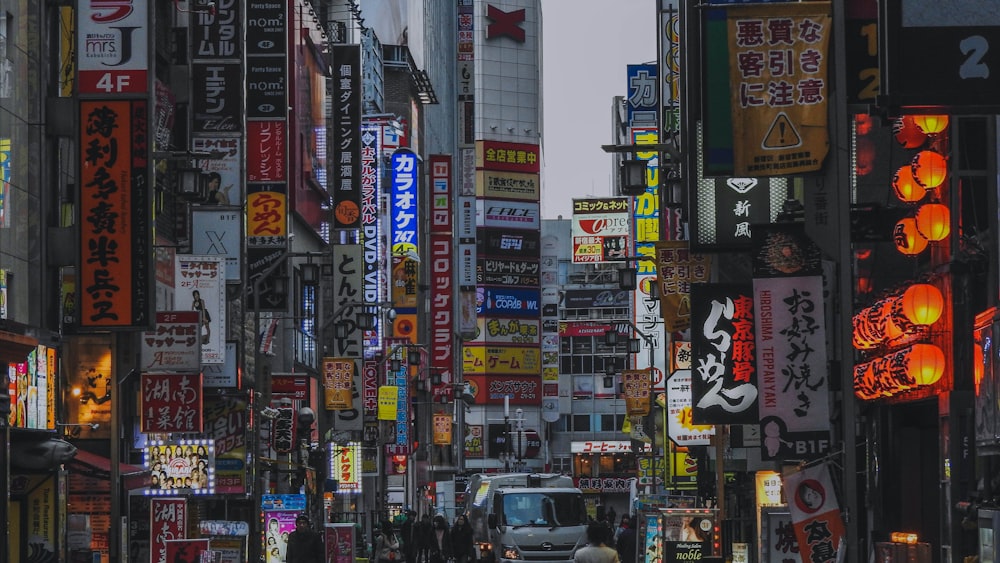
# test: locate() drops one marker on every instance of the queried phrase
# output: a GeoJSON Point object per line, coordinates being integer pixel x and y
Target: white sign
{"type": "Point", "coordinates": [201, 286]}
{"type": "Point", "coordinates": [174, 346]}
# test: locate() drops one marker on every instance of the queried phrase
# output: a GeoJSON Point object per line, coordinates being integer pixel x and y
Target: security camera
{"type": "Point", "coordinates": [306, 416]}
{"type": "Point", "coordinates": [391, 314]}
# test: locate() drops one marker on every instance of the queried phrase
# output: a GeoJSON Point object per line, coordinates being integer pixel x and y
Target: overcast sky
{"type": "Point", "coordinates": [586, 45]}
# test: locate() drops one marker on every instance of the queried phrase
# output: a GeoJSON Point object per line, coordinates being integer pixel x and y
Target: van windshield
{"type": "Point", "coordinates": [544, 509]}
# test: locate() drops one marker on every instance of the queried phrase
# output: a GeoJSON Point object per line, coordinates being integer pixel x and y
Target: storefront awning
{"type": "Point", "coordinates": [132, 476]}
{"type": "Point", "coordinates": [15, 347]}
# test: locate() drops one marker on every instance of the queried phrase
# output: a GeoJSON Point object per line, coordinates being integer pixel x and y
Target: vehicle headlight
{"type": "Point", "coordinates": [510, 552]}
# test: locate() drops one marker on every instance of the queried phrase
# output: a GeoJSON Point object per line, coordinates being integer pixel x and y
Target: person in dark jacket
{"type": "Point", "coordinates": [440, 550]}
{"type": "Point", "coordinates": [461, 540]}
{"type": "Point", "coordinates": [304, 545]}
{"type": "Point", "coordinates": [626, 543]}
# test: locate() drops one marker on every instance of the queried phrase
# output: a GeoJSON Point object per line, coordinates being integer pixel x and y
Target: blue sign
{"type": "Point", "coordinates": [403, 209]}
{"type": "Point", "coordinates": [507, 302]}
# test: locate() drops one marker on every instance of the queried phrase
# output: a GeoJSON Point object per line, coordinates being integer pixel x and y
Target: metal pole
{"type": "Point", "coordinates": [5, 482]}
{"type": "Point", "coordinates": [651, 418]}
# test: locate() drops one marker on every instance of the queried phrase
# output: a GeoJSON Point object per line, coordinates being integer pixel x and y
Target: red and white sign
{"type": "Point", "coordinates": [266, 151]}
{"type": "Point", "coordinates": [175, 345]}
{"type": "Point", "coordinates": [442, 281]}
{"type": "Point", "coordinates": [171, 403]}
{"type": "Point", "coordinates": [812, 501]}
{"type": "Point", "coordinates": [601, 230]}
{"type": "Point", "coordinates": [112, 57]}
{"type": "Point", "coordinates": [167, 522]}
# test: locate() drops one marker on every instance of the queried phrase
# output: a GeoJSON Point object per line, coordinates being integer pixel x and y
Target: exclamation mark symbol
{"type": "Point", "coordinates": [781, 132]}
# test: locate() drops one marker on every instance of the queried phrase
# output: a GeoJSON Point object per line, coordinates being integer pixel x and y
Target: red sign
{"type": "Point", "coordinates": [115, 234]}
{"type": "Point", "coordinates": [513, 157]}
{"type": "Point", "coordinates": [442, 281]}
{"type": "Point", "coordinates": [167, 522]}
{"type": "Point", "coordinates": [490, 390]}
{"type": "Point", "coordinates": [266, 151]}
{"type": "Point", "coordinates": [292, 386]}
{"type": "Point", "coordinates": [171, 403]}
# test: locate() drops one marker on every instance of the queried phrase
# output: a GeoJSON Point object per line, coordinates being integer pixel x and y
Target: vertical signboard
{"type": "Point", "coordinates": [442, 357]}
{"type": "Point", "coordinates": [115, 283]}
{"type": "Point", "coordinates": [167, 521]}
{"type": "Point", "coordinates": [346, 116]}
{"type": "Point", "coordinates": [111, 47]}
{"type": "Point", "coordinates": [404, 229]}
{"type": "Point", "coordinates": [201, 287]}
{"type": "Point", "coordinates": [348, 279]}
{"type": "Point", "coordinates": [790, 327]}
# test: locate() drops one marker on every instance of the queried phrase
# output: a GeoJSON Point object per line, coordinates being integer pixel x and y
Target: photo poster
{"type": "Point", "coordinates": [186, 550]}
{"type": "Point", "coordinates": [652, 540]}
{"type": "Point", "coordinates": [339, 543]}
{"type": "Point", "coordinates": [182, 468]}
{"type": "Point", "coordinates": [280, 523]}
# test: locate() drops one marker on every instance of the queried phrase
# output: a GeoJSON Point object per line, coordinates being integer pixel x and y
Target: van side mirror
{"type": "Point", "coordinates": [491, 521]}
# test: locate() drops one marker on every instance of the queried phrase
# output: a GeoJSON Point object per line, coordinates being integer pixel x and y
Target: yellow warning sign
{"type": "Point", "coordinates": [782, 134]}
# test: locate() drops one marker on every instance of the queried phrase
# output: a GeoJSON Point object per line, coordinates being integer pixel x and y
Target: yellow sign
{"type": "Point", "coordinates": [780, 88]}
{"type": "Point", "coordinates": [388, 398]}
{"type": "Point", "coordinates": [507, 185]}
{"type": "Point", "coordinates": [338, 380]}
{"type": "Point", "coordinates": [507, 360]}
{"type": "Point", "coordinates": [442, 429]}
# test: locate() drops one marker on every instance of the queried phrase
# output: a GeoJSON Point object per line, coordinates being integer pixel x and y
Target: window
{"type": "Point", "coordinates": [581, 423]}
{"type": "Point", "coordinates": [612, 422]}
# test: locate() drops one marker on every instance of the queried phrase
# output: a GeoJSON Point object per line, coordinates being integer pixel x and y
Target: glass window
{"type": "Point", "coordinates": [581, 423]}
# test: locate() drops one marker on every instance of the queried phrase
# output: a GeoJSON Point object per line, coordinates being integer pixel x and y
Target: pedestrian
{"type": "Point", "coordinates": [406, 534]}
{"type": "Point", "coordinates": [624, 523]}
{"type": "Point", "coordinates": [626, 542]}
{"type": "Point", "coordinates": [387, 545]}
{"type": "Point", "coordinates": [440, 551]}
{"type": "Point", "coordinates": [598, 550]}
{"type": "Point", "coordinates": [611, 516]}
{"type": "Point", "coordinates": [461, 540]}
{"type": "Point", "coordinates": [304, 545]}
{"type": "Point", "coordinates": [422, 543]}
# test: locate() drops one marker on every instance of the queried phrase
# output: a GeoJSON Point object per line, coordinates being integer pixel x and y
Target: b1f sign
{"type": "Point", "coordinates": [112, 57]}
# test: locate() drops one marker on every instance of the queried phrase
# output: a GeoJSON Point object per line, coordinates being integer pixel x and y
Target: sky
{"type": "Point", "coordinates": [586, 45]}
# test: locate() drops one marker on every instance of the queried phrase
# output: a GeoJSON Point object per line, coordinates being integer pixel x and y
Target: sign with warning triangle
{"type": "Point", "coordinates": [779, 87]}
{"type": "Point", "coordinates": [677, 268]}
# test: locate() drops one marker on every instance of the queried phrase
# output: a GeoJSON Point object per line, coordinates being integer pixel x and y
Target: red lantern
{"type": "Point", "coordinates": [934, 221]}
{"type": "Point", "coordinates": [922, 304]}
{"type": "Point", "coordinates": [862, 123]}
{"type": "Point", "coordinates": [931, 124]}
{"type": "Point", "coordinates": [907, 133]}
{"type": "Point", "coordinates": [906, 187]}
{"type": "Point", "coordinates": [925, 363]}
{"type": "Point", "coordinates": [929, 169]}
{"type": "Point", "coordinates": [908, 239]}
{"type": "Point", "coordinates": [978, 364]}
{"type": "Point", "coordinates": [864, 156]}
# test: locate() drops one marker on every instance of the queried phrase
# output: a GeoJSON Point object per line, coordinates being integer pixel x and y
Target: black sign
{"type": "Point", "coordinates": [346, 117]}
{"type": "Point", "coordinates": [525, 280]}
{"type": "Point", "coordinates": [216, 98]}
{"type": "Point", "coordinates": [489, 266]}
{"type": "Point", "coordinates": [947, 54]}
{"type": "Point", "coordinates": [267, 20]}
{"type": "Point", "coordinates": [504, 243]}
{"type": "Point", "coordinates": [266, 87]}
{"type": "Point", "coordinates": [216, 34]}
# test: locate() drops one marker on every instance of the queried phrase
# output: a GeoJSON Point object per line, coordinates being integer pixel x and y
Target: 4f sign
{"type": "Point", "coordinates": [112, 50]}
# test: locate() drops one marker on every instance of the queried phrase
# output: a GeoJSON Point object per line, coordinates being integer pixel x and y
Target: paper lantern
{"type": "Point", "coordinates": [907, 132]}
{"type": "Point", "coordinates": [922, 304]}
{"type": "Point", "coordinates": [864, 156]}
{"type": "Point", "coordinates": [934, 221]}
{"type": "Point", "coordinates": [925, 363]}
{"type": "Point", "coordinates": [863, 123]}
{"type": "Point", "coordinates": [931, 124]}
{"type": "Point", "coordinates": [906, 187]}
{"type": "Point", "coordinates": [908, 239]}
{"type": "Point", "coordinates": [929, 169]}
{"type": "Point", "coordinates": [978, 364]}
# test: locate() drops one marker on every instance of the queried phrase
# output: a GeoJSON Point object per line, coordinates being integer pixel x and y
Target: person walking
{"type": "Point", "coordinates": [422, 543]}
{"type": "Point", "coordinates": [461, 540]}
{"type": "Point", "coordinates": [406, 534]}
{"type": "Point", "coordinates": [440, 551]}
{"type": "Point", "coordinates": [598, 536]}
{"type": "Point", "coordinates": [626, 542]}
{"type": "Point", "coordinates": [387, 546]}
{"type": "Point", "coordinates": [304, 545]}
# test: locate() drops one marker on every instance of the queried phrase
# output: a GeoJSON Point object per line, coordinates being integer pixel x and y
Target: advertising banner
{"type": "Point", "coordinates": [791, 349]}
{"type": "Point", "coordinates": [490, 390]}
{"type": "Point", "coordinates": [339, 543]}
{"type": "Point", "coordinates": [371, 225]}
{"type": "Point", "coordinates": [636, 387]}
{"type": "Point", "coordinates": [680, 424]}
{"type": "Point", "coordinates": [778, 56]}
{"type": "Point", "coordinates": [503, 243]}
{"type": "Point", "coordinates": [601, 229]}
{"type": "Point", "coordinates": [596, 299]}
{"type": "Point", "coordinates": [491, 360]}
{"type": "Point", "coordinates": [347, 263]}
{"type": "Point", "coordinates": [346, 467]}
{"type": "Point", "coordinates": [508, 214]}
{"type": "Point", "coordinates": [512, 157]}
{"type": "Point", "coordinates": [505, 331]}
{"type": "Point", "coordinates": [346, 127]}
{"type": "Point", "coordinates": [181, 468]}
{"type": "Point", "coordinates": [217, 97]}
{"type": "Point", "coordinates": [201, 287]}
{"type": "Point", "coordinates": [226, 421]}
{"type": "Point", "coordinates": [678, 268]}
{"type": "Point", "coordinates": [442, 429]}
{"type": "Point", "coordinates": [507, 185]}
{"type": "Point", "coordinates": [217, 232]}
{"type": "Point", "coordinates": [442, 282]}
{"type": "Point", "coordinates": [495, 301]}
{"type": "Point", "coordinates": [174, 346]}
{"type": "Point", "coordinates": [111, 48]}
{"type": "Point", "coordinates": [115, 285]}
{"type": "Point", "coordinates": [266, 153]}
{"type": "Point", "coordinates": [724, 379]}
{"type": "Point", "coordinates": [338, 383]}
{"type": "Point", "coordinates": [167, 521]}
{"type": "Point", "coordinates": [171, 403]}
{"type": "Point", "coordinates": [812, 502]}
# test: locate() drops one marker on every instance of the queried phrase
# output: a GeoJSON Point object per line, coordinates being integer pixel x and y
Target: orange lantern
{"type": "Point", "coordinates": [931, 124]}
{"type": "Point", "coordinates": [863, 123]}
{"type": "Point", "coordinates": [929, 169]}
{"type": "Point", "coordinates": [908, 239]}
{"type": "Point", "coordinates": [907, 132]}
{"type": "Point", "coordinates": [906, 187]}
{"type": "Point", "coordinates": [922, 304]}
{"type": "Point", "coordinates": [978, 364]}
{"type": "Point", "coordinates": [925, 363]}
{"type": "Point", "coordinates": [934, 221]}
{"type": "Point", "coordinates": [864, 156]}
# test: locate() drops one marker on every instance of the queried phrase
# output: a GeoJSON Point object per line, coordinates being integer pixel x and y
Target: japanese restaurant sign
{"type": "Point", "coordinates": [171, 403]}
{"type": "Point", "coordinates": [779, 87]}
{"type": "Point", "coordinates": [812, 501]}
{"type": "Point", "coordinates": [167, 521]}
{"type": "Point", "coordinates": [346, 116]}
{"type": "Point", "coordinates": [723, 381]}
{"type": "Point", "coordinates": [790, 328]}
{"type": "Point", "coordinates": [115, 284]}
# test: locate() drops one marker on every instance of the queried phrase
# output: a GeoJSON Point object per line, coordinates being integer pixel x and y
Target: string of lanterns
{"type": "Point", "coordinates": [926, 172]}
